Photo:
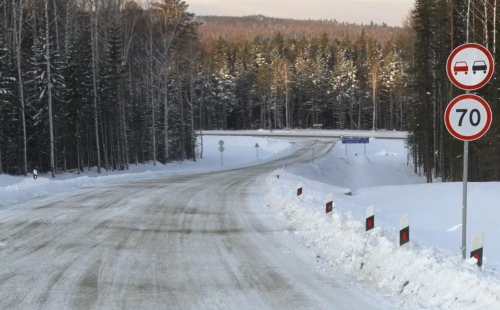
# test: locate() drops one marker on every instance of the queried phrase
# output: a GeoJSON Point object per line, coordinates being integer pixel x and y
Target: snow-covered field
{"type": "Point", "coordinates": [430, 272]}
{"type": "Point", "coordinates": [239, 151]}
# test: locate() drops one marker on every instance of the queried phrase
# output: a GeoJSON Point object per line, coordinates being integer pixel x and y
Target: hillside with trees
{"type": "Point", "coordinates": [249, 27]}
{"type": "Point", "coordinates": [106, 84]}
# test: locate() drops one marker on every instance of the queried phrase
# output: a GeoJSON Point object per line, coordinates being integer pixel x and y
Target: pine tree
{"type": "Point", "coordinates": [6, 87]}
{"type": "Point", "coordinates": [79, 91]}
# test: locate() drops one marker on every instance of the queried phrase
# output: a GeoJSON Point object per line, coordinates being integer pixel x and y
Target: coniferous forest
{"type": "Point", "coordinates": [110, 83]}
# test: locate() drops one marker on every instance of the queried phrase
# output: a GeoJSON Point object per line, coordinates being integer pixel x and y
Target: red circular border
{"type": "Point", "coordinates": [455, 52]}
{"type": "Point", "coordinates": [476, 136]}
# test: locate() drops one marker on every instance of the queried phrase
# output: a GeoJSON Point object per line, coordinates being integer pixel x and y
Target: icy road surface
{"type": "Point", "coordinates": [200, 241]}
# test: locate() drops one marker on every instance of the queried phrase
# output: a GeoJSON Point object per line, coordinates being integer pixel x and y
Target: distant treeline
{"type": "Point", "coordinates": [107, 83]}
{"type": "Point", "coordinates": [249, 27]}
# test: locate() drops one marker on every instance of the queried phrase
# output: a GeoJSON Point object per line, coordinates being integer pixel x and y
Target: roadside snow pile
{"type": "Point", "coordinates": [29, 188]}
{"type": "Point", "coordinates": [240, 151]}
{"type": "Point", "coordinates": [430, 272]}
{"type": "Point", "coordinates": [390, 184]}
{"type": "Point", "coordinates": [425, 277]}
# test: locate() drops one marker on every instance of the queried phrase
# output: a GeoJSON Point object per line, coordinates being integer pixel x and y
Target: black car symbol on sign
{"type": "Point", "coordinates": [461, 66]}
{"type": "Point", "coordinates": [479, 65]}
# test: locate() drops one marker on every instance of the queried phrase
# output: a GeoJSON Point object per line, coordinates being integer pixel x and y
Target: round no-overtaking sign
{"type": "Point", "coordinates": [468, 117]}
{"type": "Point", "coordinates": [470, 66]}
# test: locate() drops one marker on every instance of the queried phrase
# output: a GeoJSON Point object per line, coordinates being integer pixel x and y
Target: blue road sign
{"type": "Point", "coordinates": [355, 140]}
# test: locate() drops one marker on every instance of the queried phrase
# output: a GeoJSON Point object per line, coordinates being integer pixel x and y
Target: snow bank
{"type": "Point", "coordinates": [430, 272]}
{"type": "Point", "coordinates": [423, 276]}
{"type": "Point", "coordinates": [240, 151]}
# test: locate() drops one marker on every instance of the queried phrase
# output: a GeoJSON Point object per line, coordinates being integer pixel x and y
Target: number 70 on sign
{"type": "Point", "coordinates": [468, 117]}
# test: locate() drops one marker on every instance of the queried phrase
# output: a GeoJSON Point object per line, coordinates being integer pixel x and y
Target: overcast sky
{"type": "Point", "coordinates": [391, 12]}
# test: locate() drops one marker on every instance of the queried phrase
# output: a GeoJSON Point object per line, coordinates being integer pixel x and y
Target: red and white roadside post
{"type": "Point", "coordinates": [329, 203]}
{"type": "Point", "coordinates": [370, 218]}
{"type": "Point", "coordinates": [404, 231]}
{"type": "Point", "coordinates": [477, 249]}
{"type": "Point", "coordinates": [468, 117]}
{"type": "Point", "coordinates": [300, 189]}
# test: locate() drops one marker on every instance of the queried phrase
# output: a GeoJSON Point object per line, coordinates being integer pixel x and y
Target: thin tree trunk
{"type": "Point", "coordinates": [486, 36]}
{"type": "Point", "coordinates": [374, 94]}
{"type": "Point", "coordinates": [18, 28]}
{"type": "Point", "coordinates": [151, 89]}
{"type": "Point", "coordinates": [49, 88]}
{"type": "Point", "coordinates": [56, 24]}
{"type": "Point", "coordinates": [125, 138]}
{"type": "Point", "coordinates": [287, 120]}
{"type": "Point", "coordinates": [94, 80]}
{"type": "Point", "coordinates": [78, 148]}
{"type": "Point", "coordinates": [165, 119]}
{"type": "Point", "coordinates": [183, 145]}
{"type": "Point", "coordinates": [495, 29]}
{"type": "Point", "coordinates": [468, 22]}
{"type": "Point", "coordinates": [202, 100]}
{"type": "Point", "coordinates": [191, 89]}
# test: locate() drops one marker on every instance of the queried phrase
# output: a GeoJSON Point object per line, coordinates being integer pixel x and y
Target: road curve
{"type": "Point", "coordinates": [202, 241]}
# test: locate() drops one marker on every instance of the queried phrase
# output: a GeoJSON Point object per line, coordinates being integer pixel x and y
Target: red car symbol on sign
{"type": "Point", "coordinates": [461, 66]}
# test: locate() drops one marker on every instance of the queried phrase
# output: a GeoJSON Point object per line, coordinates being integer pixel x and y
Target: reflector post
{"type": "Point", "coordinates": [477, 249]}
{"type": "Point", "coordinates": [404, 230]}
{"type": "Point", "coordinates": [370, 218]}
{"type": "Point", "coordinates": [329, 203]}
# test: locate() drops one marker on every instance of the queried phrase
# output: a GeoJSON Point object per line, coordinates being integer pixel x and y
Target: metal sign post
{"type": "Point", "coordinates": [464, 201]}
{"type": "Point", "coordinates": [346, 156]}
{"type": "Point", "coordinates": [221, 150]}
{"type": "Point", "coordinates": [464, 197]}
{"type": "Point", "coordinates": [257, 148]}
{"type": "Point", "coordinates": [314, 155]}
{"type": "Point", "coordinates": [468, 117]}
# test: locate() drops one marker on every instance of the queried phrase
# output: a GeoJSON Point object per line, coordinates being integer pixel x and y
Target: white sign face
{"type": "Point", "coordinates": [468, 117]}
{"type": "Point", "coordinates": [470, 66]}
{"type": "Point", "coordinates": [221, 142]}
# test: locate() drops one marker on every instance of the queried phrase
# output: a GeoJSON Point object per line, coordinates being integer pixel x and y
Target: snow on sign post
{"type": "Point", "coordinates": [468, 117]}
{"type": "Point", "coordinates": [477, 249]}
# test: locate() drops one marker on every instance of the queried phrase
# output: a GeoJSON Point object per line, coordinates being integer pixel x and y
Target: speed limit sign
{"type": "Point", "coordinates": [468, 117]}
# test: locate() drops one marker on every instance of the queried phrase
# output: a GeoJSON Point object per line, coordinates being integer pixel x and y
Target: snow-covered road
{"type": "Point", "coordinates": [198, 241]}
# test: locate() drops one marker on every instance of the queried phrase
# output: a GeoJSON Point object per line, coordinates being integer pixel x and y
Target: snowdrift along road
{"type": "Point", "coordinates": [430, 272]}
